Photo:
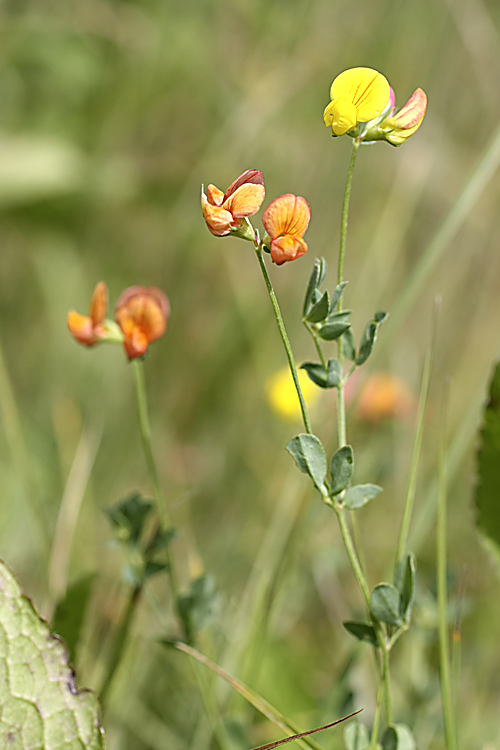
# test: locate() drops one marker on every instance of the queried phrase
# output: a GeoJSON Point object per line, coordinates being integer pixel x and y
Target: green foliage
{"type": "Point", "coordinates": [70, 612]}
{"type": "Point", "coordinates": [40, 707]}
{"type": "Point", "coordinates": [325, 378]}
{"type": "Point", "coordinates": [341, 468]}
{"type": "Point", "coordinates": [369, 337]}
{"type": "Point", "coordinates": [310, 457]}
{"type": "Point", "coordinates": [356, 736]}
{"type": "Point", "coordinates": [358, 496]}
{"type": "Point", "coordinates": [334, 325]}
{"type": "Point", "coordinates": [313, 295]}
{"type": "Point", "coordinates": [385, 604]}
{"type": "Point", "coordinates": [361, 631]}
{"type": "Point", "coordinates": [487, 491]}
{"type": "Point", "coordinates": [348, 345]}
{"type": "Point", "coordinates": [398, 737]}
{"type": "Point", "coordinates": [405, 583]}
{"type": "Point", "coordinates": [198, 606]}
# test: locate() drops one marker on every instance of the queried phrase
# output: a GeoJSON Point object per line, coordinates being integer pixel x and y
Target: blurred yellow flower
{"type": "Point", "coordinates": [358, 95]}
{"type": "Point", "coordinates": [282, 396]}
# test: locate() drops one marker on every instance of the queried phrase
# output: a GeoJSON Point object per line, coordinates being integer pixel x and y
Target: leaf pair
{"type": "Point", "coordinates": [395, 737]}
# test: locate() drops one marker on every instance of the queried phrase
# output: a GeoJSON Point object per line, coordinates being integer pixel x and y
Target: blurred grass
{"type": "Point", "coordinates": [112, 115]}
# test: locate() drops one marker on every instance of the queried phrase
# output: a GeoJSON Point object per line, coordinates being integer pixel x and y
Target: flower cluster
{"type": "Point", "coordinates": [363, 107]}
{"type": "Point", "coordinates": [141, 316]}
{"type": "Point", "coordinates": [285, 219]}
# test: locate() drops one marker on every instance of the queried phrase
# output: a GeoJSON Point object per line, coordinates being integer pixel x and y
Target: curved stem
{"type": "Point", "coordinates": [285, 339]}
{"type": "Point", "coordinates": [352, 554]}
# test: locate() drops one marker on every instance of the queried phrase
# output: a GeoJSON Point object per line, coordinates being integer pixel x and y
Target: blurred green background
{"type": "Point", "coordinates": [112, 115]}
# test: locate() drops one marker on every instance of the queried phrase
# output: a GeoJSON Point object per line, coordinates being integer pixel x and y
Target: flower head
{"type": "Point", "coordinates": [224, 212]}
{"type": "Point", "coordinates": [385, 396]}
{"type": "Point", "coordinates": [398, 127]}
{"type": "Point", "coordinates": [358, 95]}
{"type": "Point", "coordinates": [142, 313]}
{"type": "Point", "coordinates": [89, 329]}
{"type": "Point", "coordinates": [286, 220]}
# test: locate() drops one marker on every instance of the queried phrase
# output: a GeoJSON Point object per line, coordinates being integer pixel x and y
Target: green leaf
{"type": "Point", "coordinates": [398, 737]}
{"type": "Point", "coordinates": [384, 604]}
{"type": "Point", "coordinates": [359, 495]}
{"type": "Point", "coordinates": [315, 280]}
{"type": "Point", "coordinates": [329, 378]}
{"type": "Point", "coordinates": [361, 631]}
{"type": "Point", "coordinates": [341, 468]}
{"type": "Point", "coordinates": [40, 707]}
{"type": "Point", "coordinates": [369, 337]}
{"type": "Point", "coordinates": [320, 310]}
{"type": "Point", "coordinates": [334, 326]}
{"type": "Point", "coordinates": [405, 583]}
{"type": "Point", "coordinates": [348, 345]}
{"type": "Point", "coordinates": [310, 457]}
{"type": "Point", "coordinates": [128, 517]}
{"type": "Point", "coordinates": [337, 295]}
{"type": "Point", "coordinates": [197, 607]}
{"type": "Point", "coordinates": [356, 736]}
{"type": "Point", "coordinates": [70, 612]}
{"type": "Point", "coordinates": [488, 466]}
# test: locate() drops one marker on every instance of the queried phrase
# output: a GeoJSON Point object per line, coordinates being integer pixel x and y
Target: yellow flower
{"type": "Point", "coordinates": [282, 396]}
{"type": "Point", "coordinates": [397, 128]}
{"type": "Point", "coordinates": [358, 95]}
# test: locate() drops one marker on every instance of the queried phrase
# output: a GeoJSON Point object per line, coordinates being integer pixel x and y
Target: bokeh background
{"type": "Point", "coordinates": [112, 115]}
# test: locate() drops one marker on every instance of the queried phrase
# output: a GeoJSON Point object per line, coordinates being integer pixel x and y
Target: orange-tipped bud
{"type": "Point", "coordinates": [142, 313]}
{"type": "Point", "coordinates": [286, 220]}
{"type": "Point", "coordinates": [88, 329]}
{"type": "Point", "coordinates": [223, 212]}
{"type": "Point", "coordinates": [402, 125]}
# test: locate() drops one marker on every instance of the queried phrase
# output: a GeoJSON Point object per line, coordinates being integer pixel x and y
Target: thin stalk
{"type": "Point", "coordinates": [386, 684]}
{"type": "Point", "coordinates": [145, 430]}
{"type": "Point", "coordinates": [119, 643]}
{"type": "Point", "coordinates": [417, 446]}
{"type": "Point", "coordinates": [352, 554]}
{"type": "Point", "coordinates": [442, 593]}
{"type": "Point", "coordinates": [316, 343]}
{"type": "Point", "coordinates": [377, 718]}
{"type": "Point", "coordinates": [285, 339]}
{"type": "Point", "coordinates": [263, 706]}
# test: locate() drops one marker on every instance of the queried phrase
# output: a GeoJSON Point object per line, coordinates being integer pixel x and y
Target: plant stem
{"type": "Point", "coordinates": [119, 643]}
{"type": "Point", "coordinates": [444, 658]}
{"type": "Point", "coordinates": [386, 681]}
{"type": "Point", "coordinates": [377, 718]}
{"type": "Point", "coordinates": [352, 554]}
{"type": "Point", "coordinates": [145, 430]}
{"type": "Point", "coordinates": [284, 338]}
{"type": "Point", "coordinates": [316, 343]}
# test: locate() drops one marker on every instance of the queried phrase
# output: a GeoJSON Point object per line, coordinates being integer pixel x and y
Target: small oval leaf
{"type": "Point", "coordinates": [341, 468]}
{"type": "Point", "coordinates": [339, 289]}
{"type": "Point", "coordinates": [356, 736]}
{"type": "Point", "coordinates": [405, 583]}
{"type": "Point", "coordinates": [315, 280]}
{"type": "Point", "coordinates": [359, 495]}
{"type": "Point", "coordinates": [320, 310]}
{"type": "Point", "coordinates": [310, 457]}
{"type": "Point", "coordinates": [398, 737]}
{"type": "Point", "coordinates": [361, 631]}
{"type": "Point", "coordinates": [384, 604]}
{"type": "Point", "coordinates": [369, 337]}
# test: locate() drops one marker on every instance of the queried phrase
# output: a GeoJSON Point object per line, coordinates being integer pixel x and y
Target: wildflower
{"type": "Point", "coordinates": [224, 212]}
{"type": "Point", "coordinates": [385, 396]}
{"type": "Point", "coordinates": [282, 395]}
{"type": "Point", "coordinates": [358, 95]}
{"type": "Point", "coordinates": [90, 329]}
{"type": "Point", "coordinates": [142, 314]}
{"type": "Point", "coordinates": [397, 128]}
{"type": "Point", "coordinates": [286, 220]}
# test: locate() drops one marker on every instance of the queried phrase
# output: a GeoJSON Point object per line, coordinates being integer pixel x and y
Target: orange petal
{"type": "Point", "coordinates": [287, 248]}
{"type": "Point", "coordinates": [136, 345]}
{"type": "Point", "coordinates": [288, 214]}
{"type": "Point", "coordinates": [250, 177]}
{"type": "Point", "coordinates": [145, 310]}
{"type": "Point", "coordinates": [215, 196]}
{"type": "Point", "coordinates": [219, 221]}
{"type": "Point", "coordinates": [99, 303]}
{"type": "Point", "coordinates": [81, 328]}
{"type": "Point", "coordinates": [246, 201]}
{"type": "Point", "coordinates": [413, 111]}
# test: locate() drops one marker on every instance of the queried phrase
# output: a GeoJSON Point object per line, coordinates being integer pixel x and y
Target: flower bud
{"type": "Point", "coordinates": [286, 220]}
{"type": "Point", "coordinates": [142, 314]}
{"type": "Point", "coordinates": [89, 329]}
{"type": "Point", "coordinates": [225, 212]}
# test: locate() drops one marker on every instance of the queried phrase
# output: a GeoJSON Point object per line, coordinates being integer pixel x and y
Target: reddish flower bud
{"type": "Point", "coordinates": [142, 314]}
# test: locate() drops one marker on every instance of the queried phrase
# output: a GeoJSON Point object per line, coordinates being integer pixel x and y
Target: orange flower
{"type": "Point", "coordinates": [89, 329]}
{"type": "Point", "coordinates": [286, 220]}
{"type": "Point", "coordinates": [223, 212]}
{"type": "Point", "coordinates": [142, 313]}
{"type": "Point", "coordinates": [385, 396]}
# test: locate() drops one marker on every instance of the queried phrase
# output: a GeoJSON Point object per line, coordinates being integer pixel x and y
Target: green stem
{"type": "Point", "coordinates": [442, 593]}
{"type": "Point", "coordinates": [316, 343]}
{"type": "Point", "coordinates": [377, 718]}
{"type": "Point", "coordinates": [386, 681]}
{"type": "Point", "coordinates": [145, 430]}
{"type": "Point", "coordinates": [351, 553]}
{"type": "Point", "coordinates": [119, 643]}
{"type": "Point", "coordinates": [284, 338]}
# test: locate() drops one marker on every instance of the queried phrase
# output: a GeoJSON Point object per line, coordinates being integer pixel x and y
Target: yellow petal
{"type": "Point", "coordinates": [366, 88]}
{"type": "Point", "coordinates": [341, 115]}
{"type": "Point", "coordinates": [288, 214]}
{"type": "Point", "coordinates": [282, 395]}
{"type": "Point", "coordinates": [246, 201]}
